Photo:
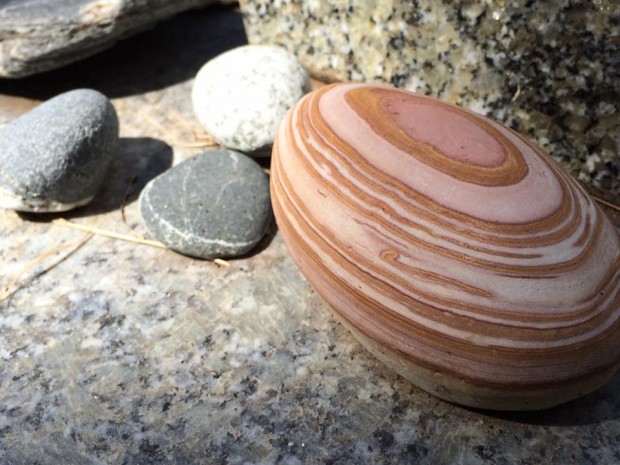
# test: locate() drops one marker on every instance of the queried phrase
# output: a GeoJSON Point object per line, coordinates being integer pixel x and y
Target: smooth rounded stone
{"type": "Point", "coordinates": [55, 157]}
{"type": "Point", "coordinates": [454, 249]}
{"type": "Point", "coordinates": [241, 96]}
{"type": "Point", "coordinates": [213, 205]}
{"type": "Point", "coordinates": [467, 53]}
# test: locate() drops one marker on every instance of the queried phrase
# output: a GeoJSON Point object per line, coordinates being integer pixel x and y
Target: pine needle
{"type": "Point", "coordinates": [199, 141]}
{"type": "Point", "coordinates": [516, 94]}
{"type": "Point", "coordinates": [220, 262]}
{"type": "Point", "coordinates": [132, 181]}
{"type": "Point", "coordinates": [607, 203]}
{"type": "Point", "coordinates": [12, 287]}
{"type": "Point", "coordinates": [106, 233]}
{"type": "Point", "coordinates": [199, 135]}
{"type": "Point", "coordinates": [124, 237]}
{"type": "Point", "coordinates": [182, 121]}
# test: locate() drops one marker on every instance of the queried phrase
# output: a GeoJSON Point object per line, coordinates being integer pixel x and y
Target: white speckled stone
{"type": "Point", "coordinates": [241, 95]}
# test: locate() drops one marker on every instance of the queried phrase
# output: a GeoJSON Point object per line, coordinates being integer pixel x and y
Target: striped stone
{"type": "Point", "coordinates": [454, 249]}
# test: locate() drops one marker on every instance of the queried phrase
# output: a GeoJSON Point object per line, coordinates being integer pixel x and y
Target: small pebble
{"type": "Point", "coordinates": [241, 96]}
{"type": "Point", "coordinates": [213, 205]}
{"type": "Point", "coordinates": [55, 157]}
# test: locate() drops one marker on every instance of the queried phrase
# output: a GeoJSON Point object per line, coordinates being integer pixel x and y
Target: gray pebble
{"type": "Point", "coordinates": [214, 204]}
{"type": "Point", "coordinates": [55, 157]}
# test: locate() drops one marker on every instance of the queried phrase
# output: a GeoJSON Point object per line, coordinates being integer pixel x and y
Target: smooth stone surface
{"type": "Point", "coordinates": [549, 72]}
{"type": "Point", "coordinates": [127, 354]}
{"type": "Point", "coordinates": [39, 35]}
{"type": "Point", "coordinates": [55, 157]}
{"type": "Point", "coordinates": [455, 250]}
{"type": "Point", "coordinates": [242, 95]}
{"type": "Point", "coordinates": [215, 204]}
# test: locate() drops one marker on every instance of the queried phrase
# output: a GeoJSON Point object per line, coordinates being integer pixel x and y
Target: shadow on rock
{"type": "Point", "coordinates": [171, 52]}
{"type": "Point", "coordinates": [138, 161]}
{"type": "Point", "coordinates": [598, 407]}
{"type": "Point", "coordinates": [262, 245]}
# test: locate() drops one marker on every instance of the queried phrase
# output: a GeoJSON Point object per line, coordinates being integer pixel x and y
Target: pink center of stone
{"type": "Point", "coordinates": [453, 135]}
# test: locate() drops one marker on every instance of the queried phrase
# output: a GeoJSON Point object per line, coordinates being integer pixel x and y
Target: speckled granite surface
{"type": "Point", "coordinates": [127, 354]}
{"type": "Point", "coordinates": [550, 70]}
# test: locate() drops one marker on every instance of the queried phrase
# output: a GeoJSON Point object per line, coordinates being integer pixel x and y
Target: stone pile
{"type": "Point", "coordinates": [215, 204]}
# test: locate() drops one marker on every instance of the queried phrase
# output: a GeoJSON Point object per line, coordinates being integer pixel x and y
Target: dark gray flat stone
{"type": "Point", "coordinates": [55, 157]}
{"type": "Point", "coordinates": [215, 204]}
{"type": "Point", "coordinates": [39, 35]}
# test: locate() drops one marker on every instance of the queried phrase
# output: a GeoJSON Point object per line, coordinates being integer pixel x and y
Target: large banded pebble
{"type": "Point", "coordinates": [55, 157]}
{"type": "Point", "coordinates": [453, 248]}
{"type": "Point", "coordinates": [241, 96]}
{"type": "Point", "coordinates": [213, 205]}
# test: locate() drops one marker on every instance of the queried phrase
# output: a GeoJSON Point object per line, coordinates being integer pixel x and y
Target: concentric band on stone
{"type": "Point", "coordinates": [456, 251]}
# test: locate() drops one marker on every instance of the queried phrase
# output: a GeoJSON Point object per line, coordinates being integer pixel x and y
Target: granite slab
{"type": "Point", "coordinates": [114, 352]}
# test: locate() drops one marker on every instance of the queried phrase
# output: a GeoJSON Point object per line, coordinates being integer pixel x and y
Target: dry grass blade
{"type": "Point", "coordinates": [516, 94]}
{"type": "Point", "coordinates": [177, 116]}
{"type": "Point", "coordinates": [220, 262]}
{"type": "Point", "coordinates": [132, 181]}
{"type": "Point", "coordinates": [203, 137]}
{"type": "Point", "coordinates": [12, 287]}
{"type": "Point", "coordinates": [123, 237]}
{"type": "Point", "coordinates": [607, 203]}
{"type": "Point", "coordinates": [172, 139]}
{"type": "Point", "coordinates": [106, 233]}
